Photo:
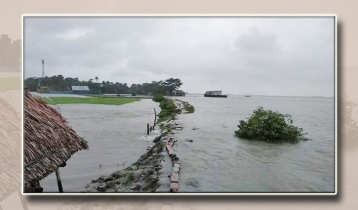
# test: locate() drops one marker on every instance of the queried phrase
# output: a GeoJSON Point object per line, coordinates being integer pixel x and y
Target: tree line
{"type": "Point", "coordinates": [167, 87]}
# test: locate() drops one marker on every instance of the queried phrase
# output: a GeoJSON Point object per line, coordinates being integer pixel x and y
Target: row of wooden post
{"type": "Point", "coordinates": [149, 129]}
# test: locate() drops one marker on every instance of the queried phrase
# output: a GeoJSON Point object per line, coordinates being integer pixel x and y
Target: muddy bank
{"type": "Point", "coordinates": [143, 175]}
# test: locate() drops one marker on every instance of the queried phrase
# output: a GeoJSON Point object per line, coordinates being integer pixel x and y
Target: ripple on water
{"type": "Point", "coordinates": [221, 162]}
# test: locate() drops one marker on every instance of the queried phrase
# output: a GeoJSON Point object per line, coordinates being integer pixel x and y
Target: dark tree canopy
{"type": "Point", "coordinates": [173, 84]}
{"type": "Point", "coordinates": [60, 83]}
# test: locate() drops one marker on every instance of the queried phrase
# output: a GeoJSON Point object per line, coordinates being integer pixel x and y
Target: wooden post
{"type": "Point", "coordinates": [59, 180]}
{"type": "Point", "coordinates": [155, 118]}
{"type": "Point", "coordinates": [147, 128]}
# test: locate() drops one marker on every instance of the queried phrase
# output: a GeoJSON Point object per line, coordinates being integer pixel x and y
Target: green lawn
{"type": "Point", "coordinates": [94, 100]}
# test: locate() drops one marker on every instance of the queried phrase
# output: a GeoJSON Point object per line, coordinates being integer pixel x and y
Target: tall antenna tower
{"type": "Point", "coordinates": [43, 69]}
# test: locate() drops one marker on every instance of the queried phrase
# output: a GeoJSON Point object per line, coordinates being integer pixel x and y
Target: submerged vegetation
{"type": "Point", "coordinates": [90, 100]}
{"type": "Point", "coordinates": [189, 108]}
{"type": "Point", "coordinates": [270, 126]}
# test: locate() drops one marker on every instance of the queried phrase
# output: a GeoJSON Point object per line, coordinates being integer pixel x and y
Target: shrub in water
{"type": "Point", "coordinates": [269, 126]}
{"type": "Point", "coordinates": [158, 98]}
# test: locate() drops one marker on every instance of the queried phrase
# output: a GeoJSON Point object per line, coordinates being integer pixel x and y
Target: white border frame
{"type": "Point", "coordinates": [178, 16]}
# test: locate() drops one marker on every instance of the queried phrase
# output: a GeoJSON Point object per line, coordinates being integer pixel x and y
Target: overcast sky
{"type": "Point", "coordinates": [238, 55]}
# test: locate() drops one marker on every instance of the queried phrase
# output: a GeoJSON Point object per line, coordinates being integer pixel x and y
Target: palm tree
{"type": "Point", "coordinates": [96, 78]}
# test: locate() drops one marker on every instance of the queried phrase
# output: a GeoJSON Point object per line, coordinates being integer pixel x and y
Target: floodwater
{"type": "Point", "coordinates": [217, 161]}
{"type": "Point", "coordinates": [116, 137]}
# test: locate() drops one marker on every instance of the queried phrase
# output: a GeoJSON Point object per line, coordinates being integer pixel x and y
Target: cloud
{"type": "Point", "coordinates": [265, 56]}
{"type": "Point", "coordinates": [74, 33]}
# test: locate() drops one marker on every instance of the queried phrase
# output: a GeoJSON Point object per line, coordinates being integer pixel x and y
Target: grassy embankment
{"type": "Point", "coordinates": [90, 100]}
{"type": "Point", "coordinates": [188, 107]}
{"type": "Point", "coordinates": [168, 110]}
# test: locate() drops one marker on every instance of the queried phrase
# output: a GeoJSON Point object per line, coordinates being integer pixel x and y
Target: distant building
{"type": "Point", "coordinates": [178, 93]}
{"type": "Point", "coordinates": [80, 89]}
{"type": "Point", "coordinates": [215, 93]}
{"type": "Point", "coordinates": [84, 90]}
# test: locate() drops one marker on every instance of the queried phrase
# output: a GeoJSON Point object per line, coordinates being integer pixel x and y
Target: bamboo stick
{"type": "Point", "coordinates": [59, 183]}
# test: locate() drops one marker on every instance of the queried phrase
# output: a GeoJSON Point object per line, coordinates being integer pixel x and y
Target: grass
{"type": "Point", "coordinates": [102, 96]}
{"type": "Point", "coordinates": [189, 108]}
{"type": "Point", "coordinates": [130, 178]}
{"type": "Point", "coordinates": [168, 110]}
{"type": "Point", "coordinates": [90, 100]}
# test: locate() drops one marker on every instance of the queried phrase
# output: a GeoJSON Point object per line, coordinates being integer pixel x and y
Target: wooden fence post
{"type": "Point", "coordinates": [147, 128]}
{"type": "Point", "coordinates": [59, 180]}
{"type": "Point", "coordinates": [155, 118]}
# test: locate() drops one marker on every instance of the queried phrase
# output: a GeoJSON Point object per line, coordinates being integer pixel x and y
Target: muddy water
{"type": "Point", "coordinates": [116, 135]}
{"type": "Point", "coordinates": [217, 161]}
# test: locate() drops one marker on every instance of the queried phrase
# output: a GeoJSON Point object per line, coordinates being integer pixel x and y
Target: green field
{"type": "Point", "coordinates": [89, 100]}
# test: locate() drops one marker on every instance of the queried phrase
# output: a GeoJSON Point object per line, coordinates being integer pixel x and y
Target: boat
{"type": "Point", "coordinates": [247, 96]}
{"type": "Point", "coordinates": [216, 93]}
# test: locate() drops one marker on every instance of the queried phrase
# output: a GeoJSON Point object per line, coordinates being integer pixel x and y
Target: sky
{"type": "Point", "coordinates": [282, 56]}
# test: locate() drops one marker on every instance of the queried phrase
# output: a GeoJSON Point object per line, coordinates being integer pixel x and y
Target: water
{"type": "Point", "coordinates": [217, 161]}
{"type": "Point", "coordinates": [116, 135]}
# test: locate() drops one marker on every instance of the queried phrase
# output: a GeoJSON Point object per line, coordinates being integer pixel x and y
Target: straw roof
{"type": "Point", "coordinates": [10, 161]}
{"type": "Point", "coordinates": [48, 139]}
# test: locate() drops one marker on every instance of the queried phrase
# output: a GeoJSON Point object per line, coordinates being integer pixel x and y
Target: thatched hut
{"type": "Point", "coordinates": [48, 142]}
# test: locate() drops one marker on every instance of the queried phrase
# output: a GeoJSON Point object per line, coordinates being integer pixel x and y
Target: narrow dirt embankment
{"type": "Point", "coordinates": [143, 175]}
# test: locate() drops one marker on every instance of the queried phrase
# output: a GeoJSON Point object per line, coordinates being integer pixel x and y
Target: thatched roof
{"type": "Point", "coordinates": [48, 139]}
{"type": "Point", "coordinates": [10, 161]}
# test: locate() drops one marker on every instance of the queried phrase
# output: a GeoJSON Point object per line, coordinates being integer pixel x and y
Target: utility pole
{"type": "Point", "coordinates": [43, 69]}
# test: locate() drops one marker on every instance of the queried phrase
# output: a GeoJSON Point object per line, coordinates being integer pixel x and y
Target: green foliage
{"type": "Point", "coordinates": [168, 110]}
{"type": "Point", "coordinates": [189, 108]}
{"type": "Point", "coordinates": [172, 84]}
{"type": "Point", "coordinates": [130, 178]}
{"type": "Point", "coordinates": [158, 98]}
{"type": "Point", "coordinates": [61, 83]}
{"type": "Point", "coordinates": [269, 126]}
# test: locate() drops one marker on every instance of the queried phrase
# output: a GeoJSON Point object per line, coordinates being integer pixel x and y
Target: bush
{"type": "Point", "coordinates": [269, 126]}
{"type": "Point", "coordinates": [189, 108]}
{"type": "Point", "coordinates": [168, 109]}
{"type": "Point", "coordinates": [158, 98]}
